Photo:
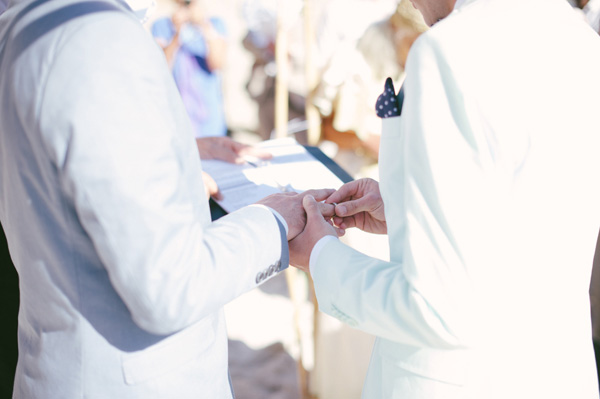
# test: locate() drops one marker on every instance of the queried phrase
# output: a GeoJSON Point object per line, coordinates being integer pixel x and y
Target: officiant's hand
{"type": "Point", "coordinates": [228, 150]}
{"type": "Point", "coordinates": [211, 187]}
{"type": "Point", "coordinates": [289, 206]}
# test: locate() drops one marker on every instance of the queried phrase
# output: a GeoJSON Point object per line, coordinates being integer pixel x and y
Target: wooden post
{"type": "Point", "coordinates": [313, 118]}
{"type": "Point", "coordinates": [281, 80]}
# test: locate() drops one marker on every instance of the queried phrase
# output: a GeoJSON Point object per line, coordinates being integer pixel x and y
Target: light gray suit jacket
{"type": "Point", "coordinates": [123, 276]}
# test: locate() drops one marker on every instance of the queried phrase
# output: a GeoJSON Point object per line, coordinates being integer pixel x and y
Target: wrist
{"type": "Point", "coordinates": [316, 250]}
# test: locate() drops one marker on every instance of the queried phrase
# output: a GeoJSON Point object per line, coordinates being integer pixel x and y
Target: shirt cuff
{"type": "Point", "coordinates": [314, 254]}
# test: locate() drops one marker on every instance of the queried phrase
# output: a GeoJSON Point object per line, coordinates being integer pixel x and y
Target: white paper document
{"type": "Point", "coordinates": [292, 168]}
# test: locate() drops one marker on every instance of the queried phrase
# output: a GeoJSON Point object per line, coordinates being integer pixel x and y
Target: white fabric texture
{"type": "Point", "coordinates": [488, 180]}
{"type": "Point", "coordinates": [592, 14]}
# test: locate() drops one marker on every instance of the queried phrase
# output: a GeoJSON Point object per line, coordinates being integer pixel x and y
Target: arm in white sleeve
{"type": "Point", "coordinates": [431, 179]}
{"type": "Point", "coordinates": [314, 254]}
{"type": "Point", "coordinates": [375, 296]}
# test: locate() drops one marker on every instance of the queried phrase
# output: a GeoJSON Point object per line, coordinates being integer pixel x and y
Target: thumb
{"type": "Point", "coordinates": [310, 206]}
{"type": "Point", "coordinates": [349, 208]}
{"type": "Point", "coordinates": [316, 221]}
{"type": "Point", "coordinates": [211, 187]}
{"type": "Point", "coordinates": [313, 212]}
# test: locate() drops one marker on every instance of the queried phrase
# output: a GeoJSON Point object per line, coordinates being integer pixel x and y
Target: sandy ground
{"type": "Point", "coordinates": [261, 343]}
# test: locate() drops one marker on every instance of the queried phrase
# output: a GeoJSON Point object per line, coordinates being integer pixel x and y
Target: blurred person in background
{"type": "Point", "coordinates": [341, 23]}
{"type": "Point", "coordinates": [351, 81]}
{"type": "Point", "coordinates": [261, 18]}
{"type": "Point", "coordinates": [195, 45]}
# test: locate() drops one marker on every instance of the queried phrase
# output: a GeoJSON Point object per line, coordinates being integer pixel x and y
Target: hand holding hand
{"type": "Point", "coordinates": [228, 150]}
{"type": "Point", "coordinates": [316, 228]}
{"type": "Point", "coordinates": [289, 206]}
{"type": "Point", "coordinates": [359, 204]}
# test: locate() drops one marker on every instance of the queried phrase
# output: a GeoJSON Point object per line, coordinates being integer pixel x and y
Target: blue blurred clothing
{"type": "Point", "coordinates": [200, 87]}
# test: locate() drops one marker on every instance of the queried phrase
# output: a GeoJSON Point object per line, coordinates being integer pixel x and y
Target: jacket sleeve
{"type": "Point", "coordinates": [375, 296]}
{"type": "Point", "coordinates": [118, 135]}
{"type": "Point", "coordinates": [431, 184]}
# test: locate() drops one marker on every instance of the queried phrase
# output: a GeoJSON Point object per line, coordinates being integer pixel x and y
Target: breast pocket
{"type": "Point", "coordinates": [171, 353]}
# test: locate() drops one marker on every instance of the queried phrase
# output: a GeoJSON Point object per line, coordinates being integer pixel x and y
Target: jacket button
{"type": "Point", "coordinates": [260, 277]}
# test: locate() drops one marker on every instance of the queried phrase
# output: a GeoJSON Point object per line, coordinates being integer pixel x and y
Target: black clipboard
{"type": "Point", "coordinates": [217, 212]}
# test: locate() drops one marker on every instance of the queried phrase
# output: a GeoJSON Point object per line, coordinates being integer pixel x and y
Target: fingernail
{"type": "Point", "coordinates": [340, 210]}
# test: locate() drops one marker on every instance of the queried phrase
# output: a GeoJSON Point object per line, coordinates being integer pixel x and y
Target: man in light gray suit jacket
{"type": "Point", "coordinates": [122, 274]}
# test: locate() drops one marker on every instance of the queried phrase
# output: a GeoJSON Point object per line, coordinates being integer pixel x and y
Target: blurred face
{"type": "Point", "coordinates": [190, 11]}
{"type": "Point", "coordinates": [434, 10]}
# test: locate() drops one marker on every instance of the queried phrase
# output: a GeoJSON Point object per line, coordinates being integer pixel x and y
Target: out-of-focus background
{"type": "Point", "coordinates": [311, 69]}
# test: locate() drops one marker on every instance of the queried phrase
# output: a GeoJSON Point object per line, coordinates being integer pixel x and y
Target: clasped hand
{"type": "Point", "coordinates": [315, 214]}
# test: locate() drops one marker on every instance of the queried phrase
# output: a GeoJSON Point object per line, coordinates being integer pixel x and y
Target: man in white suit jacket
{"type": "Point", "coordinates": [122, 274]}
{"type": "Point", "coordinates": [490, 198]}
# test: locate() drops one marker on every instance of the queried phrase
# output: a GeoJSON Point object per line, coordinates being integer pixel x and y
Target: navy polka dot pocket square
{"type": "Point", "coordinates": [388, 103]}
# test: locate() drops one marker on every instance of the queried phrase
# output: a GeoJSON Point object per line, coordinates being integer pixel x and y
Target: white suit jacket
{"type": "Point", "coordinates": [490, 185]}
{"type": "Point", "coordinates": [122, 274]}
